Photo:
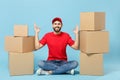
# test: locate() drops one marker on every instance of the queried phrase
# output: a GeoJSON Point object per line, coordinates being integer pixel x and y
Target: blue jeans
{"type": "Point", "coordinates": [58, 66]}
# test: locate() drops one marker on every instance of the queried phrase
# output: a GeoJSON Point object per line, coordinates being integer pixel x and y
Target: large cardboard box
{"type": "Point", "coordinates": [94, 41]}
{"type": "Point", "coordinates": [91, 64]}
{"type": "Point", "coordinates": [92, 20]}
{"type": "Point", "coordinates": [20, 44]}
{"type": "Point", "coordinates": [21, 64]}
{"type": "Point", "coordinates": [20, 30]}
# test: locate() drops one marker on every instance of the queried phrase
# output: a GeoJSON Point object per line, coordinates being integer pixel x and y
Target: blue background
{"type": "Point", "coordinates": [42, 12]}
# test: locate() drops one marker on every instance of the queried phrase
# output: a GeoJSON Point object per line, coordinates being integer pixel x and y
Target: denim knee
{"type": "Point", "coordinates": [74, 64]}
{"type": "Point", "coordinates": [41, 64]}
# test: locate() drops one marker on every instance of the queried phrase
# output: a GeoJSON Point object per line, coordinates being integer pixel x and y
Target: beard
{"type": "Point", "coordinates": [57, 29]}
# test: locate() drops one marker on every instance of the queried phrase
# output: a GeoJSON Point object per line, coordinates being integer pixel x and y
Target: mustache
{"type": "Point", "coordinates": [57, 27]}
{"type": "Point", "coordinates": [58, 30]}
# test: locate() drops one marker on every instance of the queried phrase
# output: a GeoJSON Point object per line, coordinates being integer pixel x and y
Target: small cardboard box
{"type": "Point", "coordinates": [21, 64]}
{"type": "Point", "coordinates": [91, 64]}
{"type": "Point", "coordinates": [21, 30]}
{"type": "Point", "coordinates": [19, 44]}
{"type": "Point", "coordinates": [94, 41]}
{"type": "Point", "coordinates": [92, 21]}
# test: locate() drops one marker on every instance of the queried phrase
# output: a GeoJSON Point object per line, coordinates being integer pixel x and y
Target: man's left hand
{"type": "Point", "coordinates": [76, 30]}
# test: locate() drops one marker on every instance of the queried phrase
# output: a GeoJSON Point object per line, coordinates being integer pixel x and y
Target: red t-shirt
{"type": "Point", "coordinates": [57, 45]}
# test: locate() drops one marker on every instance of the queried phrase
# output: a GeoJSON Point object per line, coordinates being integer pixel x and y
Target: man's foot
{"type": "Point", "coordinates": [41, 71]}
{"type": "Point", "coordinates": [72, 72]}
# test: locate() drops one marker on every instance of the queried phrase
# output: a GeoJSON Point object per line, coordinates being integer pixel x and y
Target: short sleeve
{"type": "Point", "coordinates": [70, 41]}
{"type": "Point", "coordinates": [43, 40]}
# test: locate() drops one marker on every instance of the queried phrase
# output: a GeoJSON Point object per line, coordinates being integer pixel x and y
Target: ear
{"type": "Point", "coordinates": [52, 25]}
{"type": "Point", "coordinates": [62, 25]}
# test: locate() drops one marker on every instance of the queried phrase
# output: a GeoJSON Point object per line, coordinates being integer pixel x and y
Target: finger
{"type": "Point", "coordinates": [77, 27]}
{"type": "Point", "coordinates": [35, 24]}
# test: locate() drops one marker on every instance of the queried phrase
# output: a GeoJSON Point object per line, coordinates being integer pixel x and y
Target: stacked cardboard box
{"type": "Point", "coordinates": [20, 47]}
{"type": "Point", "coordinates": [94, 41]}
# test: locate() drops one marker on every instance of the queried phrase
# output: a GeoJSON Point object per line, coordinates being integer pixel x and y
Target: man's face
{"type": "Point", "coordinates": [57, 26]}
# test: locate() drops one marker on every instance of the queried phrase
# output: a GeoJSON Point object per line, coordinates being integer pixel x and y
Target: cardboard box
{"type": "Point", "coordinates": [91, 64]}
{"type": "Point", "coordinates": [19, 44]}
{"type": "Point", "coordinates": [21, 30]}
{"type": "Point", "coordinates": [21, 64]}
{"type": "Point", "coordinates": [92, 21]}
{"type": "Point", "coordinates": [94, 41]}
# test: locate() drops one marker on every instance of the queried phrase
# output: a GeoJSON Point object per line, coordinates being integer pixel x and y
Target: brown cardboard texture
{"type": "Point", "coordinates": [92, 21]}
{"type": "Point", "coordinates": [21, 64]}
{"type": "Point", "coordinates": [19, 44]}
{"type": "Point", "coordinates": [21, 30]}
{"type": "Point", "coordinates": [91, 64]}
{"type": "Point", "coordinates": [94, 41]}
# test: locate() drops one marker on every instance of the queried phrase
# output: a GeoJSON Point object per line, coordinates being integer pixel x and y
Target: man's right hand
{"type": "Point", "coordinates": [36, 28]}
{"type": "Point", "coordinates": [37, 44]}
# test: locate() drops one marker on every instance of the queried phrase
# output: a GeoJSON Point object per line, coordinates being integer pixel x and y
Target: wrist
{"type": "Point", "coordinates": [76, 33]}
{"type": "Point", "coordinates": [36, 32]}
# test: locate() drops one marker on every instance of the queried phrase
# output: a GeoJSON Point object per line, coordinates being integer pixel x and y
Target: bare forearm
{"type": "Point", "coordinates": [36, 41]}
{"type": "Point", "coordinates": [76, 44]}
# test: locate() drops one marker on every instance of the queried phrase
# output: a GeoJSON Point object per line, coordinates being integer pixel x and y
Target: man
{"type": "Point", "coordinates": [56, 41]}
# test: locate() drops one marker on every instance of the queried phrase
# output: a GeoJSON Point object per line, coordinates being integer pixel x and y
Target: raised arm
{"type": "Point", "coordinates": [37, 44]}
{"type": "Point", "coordinates": [76, 44]}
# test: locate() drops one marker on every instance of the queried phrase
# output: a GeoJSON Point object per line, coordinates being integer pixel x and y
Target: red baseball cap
{"type": "Point", "coordinates": [57, 19]}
